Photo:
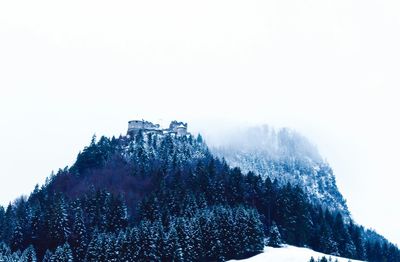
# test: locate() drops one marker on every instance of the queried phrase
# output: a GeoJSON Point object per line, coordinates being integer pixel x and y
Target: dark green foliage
{"type": "Point", "coordinates": [164, 198]}
{"type": "Point", "coordinates": [93, 156]}
{"type": "Point", "coordinates": [63, 254]}
{"type": "Point", "coordinates": [47, 256]}
{"type": "Point", "coordinates": [274, 237]}
{"type": "Point", "coordinates": [322, 259]}
{"type": "Point", "coordinates": [79, 235]}
{"type": "Point", "coordinates": [29, 255]}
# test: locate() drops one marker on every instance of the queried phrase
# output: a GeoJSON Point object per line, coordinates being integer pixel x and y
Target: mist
{"type": "Point", "coordinates": [328, 70]}
{"type": "Point", "coordinates": [274, 143]}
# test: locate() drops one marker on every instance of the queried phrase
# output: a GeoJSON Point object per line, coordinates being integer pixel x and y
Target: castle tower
{"type": "Point", "coordinates": [135, 126]}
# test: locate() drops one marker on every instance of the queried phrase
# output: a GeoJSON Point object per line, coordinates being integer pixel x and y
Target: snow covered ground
{"type": "Point", "coordinates": [290, 254]}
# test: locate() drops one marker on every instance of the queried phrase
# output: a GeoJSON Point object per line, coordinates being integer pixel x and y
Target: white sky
{"type": "Point", "coordinates": [329, 69]}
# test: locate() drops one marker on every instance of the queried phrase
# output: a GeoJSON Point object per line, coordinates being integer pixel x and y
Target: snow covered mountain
{"type": "Point", "coordinates": [291, 254]}
{"type": "Point", "coordinates": [286, 156]}
{"type": "Point", "coordinates": [163, 196]}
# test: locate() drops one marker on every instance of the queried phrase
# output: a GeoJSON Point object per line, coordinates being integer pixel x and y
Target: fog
{"type": "Point", "coordinates": [274, 143]}
{"type": "Point", "coordinates": [327, 69]}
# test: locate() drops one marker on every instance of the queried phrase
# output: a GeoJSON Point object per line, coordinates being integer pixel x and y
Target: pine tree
{"type": "Point", "coordinates": [48, 256]}
{"type": "Point", "coordinates": [127, 248]}
{"type": "Point", "coordinates": [286, 216]}
{"type": "Point", "coordinates": [115, 214]}
{"type": "Point", "coordinates": [255, 232]}
{"type": "Point", "coordinates": [302, 216]}
{"type": "Point", "coordinates": [78, 236]}
{"type": "Point", "coordinates": [63, 254]}
{"type": "Point", "coordinates": [96, 251]}
{"type": "Point", "coordinates": [147, 241]}
{"type": "Point", "coordinates": [29, 255]}
{"type": "Point", "coordinates": [327, 243]}
{"type": "Point", "coordinates": [112, 248]}
{"type": "Point", "coordinates": [342, 237]}
{"type": "Point", "coordinates": [4, 249]}
{"type": "Point", "coordinates": [9, 222]}
{"type": "Point", "coordinates": [38, 232]}
{"type": "Point", "coordinates": [355, 234]}
{"type": "Point", "coordinates": [185, 235]}
{"type": "Point", "coordinates": [274, 237]}
{"type": "Point", "coordinates": [59, 226]}
{"type": "Point", "coordinates": [17, 238]}
{"type": "Point", "coordinates": [16, 256]}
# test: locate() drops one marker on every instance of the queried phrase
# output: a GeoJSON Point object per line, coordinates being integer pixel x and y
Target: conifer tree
{"type": "Point", "coordinates": [171, 244]}
{"type": "Point", "coordinates": [255, 232]}
{"type": "Point", "coordinates": [59, 226]}
{"type": "Point", "coordinates": [79, 238]}
{"type": "Point", "coordinates": [48, 256]}
{"type": "Point", "coordinates": [112, 248]}
{"type": "Point", "coordinates": [96, 251]}
{"type": "Point", "coordinates": [63, 254]}
{"type": "Point", "coordinates": [29, 255]}
{"type": "Point", "coordinates": [17, 237]}
{"type": "Point", "coordinates": [4, 249]}
{"type": "Point", "coordinates": [147, 241]}
{"type": "Point", "coordinates": [274, 237]}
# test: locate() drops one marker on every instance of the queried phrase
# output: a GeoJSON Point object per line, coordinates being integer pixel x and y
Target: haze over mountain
{"type": "Point", "coordinates": [287, 156]}
{"type": "Point", "coordinates": [160, 194]}
{"type": "Point", "coordinates": [328, 69]}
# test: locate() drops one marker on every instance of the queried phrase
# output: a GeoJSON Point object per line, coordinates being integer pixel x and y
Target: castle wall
{"type": "Point", "coordinates": [178, 128]}
{"type": "Point", "coordinates": [135, 125]}
{"type": "Point", "coordinates": [180, 131]}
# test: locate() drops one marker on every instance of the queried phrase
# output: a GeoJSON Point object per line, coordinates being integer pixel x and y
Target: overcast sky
{"type": "Point", "coordinates": [329, 69]}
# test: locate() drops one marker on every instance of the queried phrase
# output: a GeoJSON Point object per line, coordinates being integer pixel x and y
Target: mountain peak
{"type": "Point", "coordinates": [286, 156]}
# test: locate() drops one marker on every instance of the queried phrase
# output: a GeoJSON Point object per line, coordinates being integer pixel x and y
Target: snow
{"type": "Point", "coordinates": [290, 254]}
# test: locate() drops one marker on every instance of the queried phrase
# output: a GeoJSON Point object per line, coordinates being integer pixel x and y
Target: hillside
{"type": "Point", "coordinates": [285, 156]}
{"type": "Point", "coordinates": [163, 196]}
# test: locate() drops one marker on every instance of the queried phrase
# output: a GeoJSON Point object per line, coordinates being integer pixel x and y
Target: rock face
{"type": "Point", "coordinates": [286, 156]}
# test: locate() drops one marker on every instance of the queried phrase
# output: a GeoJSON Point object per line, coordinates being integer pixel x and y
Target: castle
{"type": "Point", "coordinates": [175, 127]}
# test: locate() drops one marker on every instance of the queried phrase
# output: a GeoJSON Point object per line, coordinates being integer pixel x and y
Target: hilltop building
{"type": "Point", "coordinates": [175, 127]}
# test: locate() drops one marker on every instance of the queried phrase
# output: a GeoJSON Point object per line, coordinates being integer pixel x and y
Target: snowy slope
{"type": "Point", "coordinates": [286, 156]}
{"type": "Point", "coordinates": [290, 254]}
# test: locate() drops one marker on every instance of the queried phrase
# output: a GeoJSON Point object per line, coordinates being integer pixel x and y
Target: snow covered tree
{"type": "Point", "coordinates": [115, 213]}
{"type": "Point", "coordinates": [63, 254]}
{"type": "Point", "coordinates": [29, 255]}
{"type": "Point", "coordinates": [48, 256]}
{"type": "Point", "coordinates": [274, 237]}
{"type": "Point", "coordinates": [148, 242]}
{"type": "Point", "coordinates": [78, 236]}
{"type": "Point", "coordinates": [4, 249]}
{"type": "Point", "coordinates": [96, 251]}
{"type": "Point", "coordinates": [112, 248]}
{"type": "Point", "coordinates": [255, 232]}
{"type": "Point", "coordinates": [171, 243]}
{"type": "Point", "coordinates": [59, 225]}
{"type": "Point", "coordinates": [17, 237]}
{"type": "Point", "coordinates": [327, 243]}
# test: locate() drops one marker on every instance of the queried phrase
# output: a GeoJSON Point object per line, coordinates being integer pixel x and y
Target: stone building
{"type": "Point", "coordinates": [175, 127]}
{"type": "Point", "coordinates": [142, 125]}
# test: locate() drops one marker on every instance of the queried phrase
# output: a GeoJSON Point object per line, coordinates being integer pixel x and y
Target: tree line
{"type": "Point", "coordinates": [164, 198]}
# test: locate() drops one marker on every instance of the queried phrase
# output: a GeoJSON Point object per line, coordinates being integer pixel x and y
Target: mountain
{"type": "Point", "coordinates": [285, 156]}
{"type": "Point", "coordinates": [162, 195]}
